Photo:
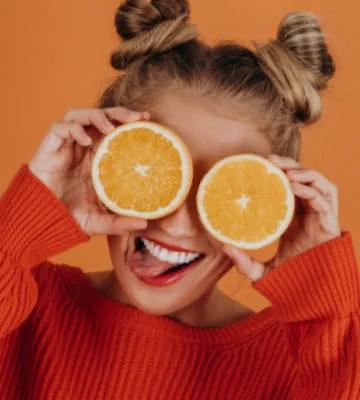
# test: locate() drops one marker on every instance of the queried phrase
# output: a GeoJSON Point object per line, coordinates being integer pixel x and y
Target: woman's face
{"type": "Point", "coordinates": [211, 134]}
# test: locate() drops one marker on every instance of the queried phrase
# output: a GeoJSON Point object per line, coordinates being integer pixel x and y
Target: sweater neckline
{"type": "Point", "coordinates": [109, 311]}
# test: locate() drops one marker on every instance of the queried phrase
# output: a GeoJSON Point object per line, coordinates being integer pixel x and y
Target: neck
{"type": "Point", "coordinates": [197, 313]}
{"type": "Point", "coordinates": [213, 309]}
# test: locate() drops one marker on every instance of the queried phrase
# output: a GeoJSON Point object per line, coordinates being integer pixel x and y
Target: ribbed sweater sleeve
{"type": "Point", "coordinates": [34, 225]}
{"type": "Point", "coordinates": [316, 296]}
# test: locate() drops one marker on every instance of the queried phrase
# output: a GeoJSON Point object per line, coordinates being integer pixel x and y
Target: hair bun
{"type": "Point", "coordinates": [150, 27]}
{"type": "Point", "coordinates": [299, 64]}
{"type": "Point", "coordinates": [301, 33]}
{"type": "Point", "coordinates": [136, 16]}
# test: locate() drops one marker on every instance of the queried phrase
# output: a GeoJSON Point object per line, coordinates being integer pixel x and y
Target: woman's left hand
{"type": "Point", "coordinates": [315, 219]}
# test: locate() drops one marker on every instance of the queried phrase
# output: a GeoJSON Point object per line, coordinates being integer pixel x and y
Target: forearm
{"type": "Point", "coordinates": [316, 295]}
{"type": "Point", "coordinates": [34, 225]}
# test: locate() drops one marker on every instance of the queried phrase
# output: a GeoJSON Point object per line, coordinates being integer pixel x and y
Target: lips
{"type": "Point", "coordinates": [146, 265]}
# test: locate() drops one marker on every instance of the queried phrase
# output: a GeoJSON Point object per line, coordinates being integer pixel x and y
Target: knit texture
{"type": "Point", "coordinates": [61, 338]}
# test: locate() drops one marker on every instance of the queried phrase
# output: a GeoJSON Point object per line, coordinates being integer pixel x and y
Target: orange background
{"type": "Point", "coordinates": [55, 57]}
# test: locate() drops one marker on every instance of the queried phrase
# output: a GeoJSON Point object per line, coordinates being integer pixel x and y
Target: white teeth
{"type": "Point", "coordinates": [173, 257]}
{"type": "Point", "coordinates": [182, 257]}
{"type": "Point", "coordinates": [163, 254]}
{"type": "Point", "coordinates": [187, 258]}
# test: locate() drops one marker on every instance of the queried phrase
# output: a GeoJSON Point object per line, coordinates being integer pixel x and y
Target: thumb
{"type": "Point", "coordinates": [252, 269]}
{"type": "Point", "coordinates": [109, 224]}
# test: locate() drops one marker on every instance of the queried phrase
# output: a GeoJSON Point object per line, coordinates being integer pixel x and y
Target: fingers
{"type": "Point", "coordinates": [100, 118]}
{"type": "Point", "coordinates": [109, 224]}
{"type": "Point", "coordinates": [328, 216]}
{"type": "Point", "coordinates": [88, 116]}
{"type": "Point", "coordinates": [61, 133]}
{"type": "Point", "coordinates": [315, 199]}
{"type": "Point", "coordinates": [71, 130]}
{"type": "Point", "coordinates": [244, 263]}
{"type": "Point", "coordinates": [318, 193]}
{"type": "Point", "coordinates": [72, 127]}
{"type": "Point", "coordinates": [123, 114]}
{"type": "Point", "coordinates": [309, 178]}
{"type": "Point", "coordinates": [283, 162]}
{"type": "Point", "coordinates": [319, 182]}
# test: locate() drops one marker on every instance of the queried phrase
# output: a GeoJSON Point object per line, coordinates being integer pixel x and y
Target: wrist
{"type": "Point", "coordinates": [48, 180]}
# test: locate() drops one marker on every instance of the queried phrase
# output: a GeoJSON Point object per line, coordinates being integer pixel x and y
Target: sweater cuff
{"type": "Point", "coordinates": [35, 224]}
{"type": "Point", "coordinates": [320, 283]}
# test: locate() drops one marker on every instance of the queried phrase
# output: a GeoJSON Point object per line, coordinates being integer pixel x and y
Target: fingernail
{"type": "Point", "coordinates": [146, 115]}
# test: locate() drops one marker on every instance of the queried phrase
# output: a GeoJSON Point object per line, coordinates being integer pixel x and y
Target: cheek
{"type": "Point", "coordinates": [216, 244]}
{"type": "Point", "coordinates": [118, 247]}
{"type": "Point", "coordinates": [221, 267]}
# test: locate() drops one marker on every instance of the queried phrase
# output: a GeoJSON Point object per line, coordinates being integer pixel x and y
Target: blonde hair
{"type": "Point", "coordinates": [277, 85]}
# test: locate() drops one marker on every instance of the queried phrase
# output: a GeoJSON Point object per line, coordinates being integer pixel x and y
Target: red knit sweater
{"type": "Point", "coordinates": [61, 338]}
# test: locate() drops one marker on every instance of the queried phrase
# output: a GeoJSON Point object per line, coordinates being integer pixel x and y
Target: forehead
{"type": "Point", "coordinates": [210, 129]}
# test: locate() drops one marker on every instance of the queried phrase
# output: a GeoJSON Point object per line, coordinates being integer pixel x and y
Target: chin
{"type": "Point", "coordinates": [166, 309]}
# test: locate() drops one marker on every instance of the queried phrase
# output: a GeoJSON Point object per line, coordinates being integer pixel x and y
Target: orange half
{"type": "Point", "coordinates": [142, 169]}
{"type": "Point", "coordinates": [246, 201]}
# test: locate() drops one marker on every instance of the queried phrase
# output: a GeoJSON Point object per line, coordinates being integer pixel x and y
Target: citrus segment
{"type": "Point", "coordinates": [142, 169]}
{"type": "Point", "coordinates": [246, 201]}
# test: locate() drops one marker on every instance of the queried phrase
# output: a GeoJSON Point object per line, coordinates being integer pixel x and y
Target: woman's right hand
{"type": "Point", "coordinates": [63, 163]}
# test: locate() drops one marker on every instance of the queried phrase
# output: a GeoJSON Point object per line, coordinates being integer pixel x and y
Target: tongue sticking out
{"type": "Point", "coordinates": [147, 265]}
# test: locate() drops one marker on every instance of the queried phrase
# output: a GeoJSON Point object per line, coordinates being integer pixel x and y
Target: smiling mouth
{"type": "Point", "coordinates": [153, 260]}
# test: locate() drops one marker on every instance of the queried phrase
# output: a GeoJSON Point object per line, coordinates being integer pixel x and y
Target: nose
{"type": "Point", "coordinates": [182, 223]}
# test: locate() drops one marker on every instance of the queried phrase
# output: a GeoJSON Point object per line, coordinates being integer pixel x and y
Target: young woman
{"type": "Point", "coordinates": [65, 334]}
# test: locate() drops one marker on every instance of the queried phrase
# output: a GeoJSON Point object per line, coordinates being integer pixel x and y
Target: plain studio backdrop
{"type": "Point", "coordinates": [55, 56]}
